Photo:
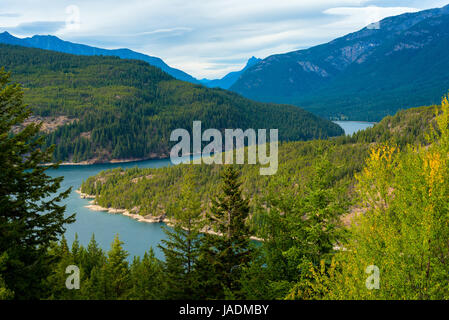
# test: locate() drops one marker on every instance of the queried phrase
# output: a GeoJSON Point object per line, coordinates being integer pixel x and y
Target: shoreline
{"type": "Point", "coordinates": [370, 122]}
{"type": "Point", "coordinates": [112, 161]}
{"type": "Point", "coordinates": [146, 219]}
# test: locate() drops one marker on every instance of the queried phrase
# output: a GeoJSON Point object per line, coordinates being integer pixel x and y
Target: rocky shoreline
{"type": "Point", "coordinates": [112, 161]}
{"type": "Point", "coordinates": [147, 219]}
{"type": "Point", "coordinates": [138, 217]}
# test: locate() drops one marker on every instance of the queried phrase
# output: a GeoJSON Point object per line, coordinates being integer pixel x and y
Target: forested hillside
{"type": "Point", "coordinates": [336, 211]}
{"type": "Point", "coordinates": [361, 217]}
{"type": "Point", "coordinates": [50, 42]}
{"type": "Point", "coordinates": [105, 108]}
{"type": "Point", "coordinates": [156, 191]}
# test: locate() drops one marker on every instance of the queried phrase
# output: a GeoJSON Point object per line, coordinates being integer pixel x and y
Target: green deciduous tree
{"type": "Point", "coordinates": [403, 230]}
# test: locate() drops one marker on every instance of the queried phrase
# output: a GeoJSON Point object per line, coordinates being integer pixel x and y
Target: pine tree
{"type": "Point", "coordinates": [56, 281]}
{"type": "Point", "coordinates": [116, 271]}
{"type": "Point", "coordinates": [77, 251]}
{"type": "Point", "coordinates": [224, 256]}
{"type": "Point", "coordinates": [31, 216]}
{"type": "Point", "coordinates": [147, 278]}
{"type": "Point", "coordinates": [303, 225]}
{"type": "Point", "coordinates": [181, 250]}
{"type": "Point", "coordinates": [94, 256]}
{"type": "Point", "coordinates": [314, 225]}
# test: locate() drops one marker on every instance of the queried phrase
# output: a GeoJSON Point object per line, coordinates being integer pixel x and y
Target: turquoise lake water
{"type": "Point", "coordinates": [351, 127]}
{"type": "Point", "coordinates": [137, 236]}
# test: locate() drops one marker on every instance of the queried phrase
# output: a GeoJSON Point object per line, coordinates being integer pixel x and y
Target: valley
{"type": "Point", "coordinates": [319, 173]}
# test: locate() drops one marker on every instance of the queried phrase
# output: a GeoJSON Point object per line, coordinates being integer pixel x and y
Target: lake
{"type": "Point", "coordinates": [138, 237]}
{"type": "Point", "coordinates": [351, 127]}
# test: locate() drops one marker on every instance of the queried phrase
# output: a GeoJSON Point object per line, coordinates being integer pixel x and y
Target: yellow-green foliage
{"type": "Point", "coordinates": [404, 230]}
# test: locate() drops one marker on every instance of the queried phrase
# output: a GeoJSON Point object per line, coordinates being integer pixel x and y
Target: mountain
{"type": "Point", "coordinates": [228, 80]}
{"type": "Point", "coordinates": [98, 108]}
{"type": "Point", "coordinates": [364, 75]}
{"type": "Point", "coordinates": [55, 44]}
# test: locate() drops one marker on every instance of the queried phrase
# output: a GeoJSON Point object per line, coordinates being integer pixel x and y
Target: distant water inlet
{"type": "Point", "coordinates": [351, 127]}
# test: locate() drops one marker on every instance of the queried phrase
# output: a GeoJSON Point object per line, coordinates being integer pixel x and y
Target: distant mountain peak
{"type": "Point", "coordinates": [6, 34]}
{"type": "Point", "coordinates": [228, 80]}
{"type": "Point", "coordinates": [53, 43]}
{"type": "Point", "coordinates": [252, 61]}
{"type": "Point", "coordinates": [364, 75]}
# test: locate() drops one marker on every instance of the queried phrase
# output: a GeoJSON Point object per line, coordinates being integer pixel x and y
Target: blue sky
{"type": "Point", "coordinates": [206, 38]}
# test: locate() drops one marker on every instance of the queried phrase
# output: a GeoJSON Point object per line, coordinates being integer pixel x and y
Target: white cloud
{"type": "Point", "coordinates": [205, 38]}
{"type": "Point", "coordinates": [361, 17]}
{"type": "Point", "coordinates": [168, 30]}
{"type": "Point", "coordinates": [9, 15]}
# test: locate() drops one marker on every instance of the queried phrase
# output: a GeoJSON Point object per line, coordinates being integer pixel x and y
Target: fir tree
{"type": "Point", "coordinates": [304, 226]}
{"type": "Point", "coordinates": [57, 280]}
{"type": "Point", "coordinates": [224, 256]}
{"type": "Point", "coordinates": [116, 271]}
{"type": "Point", "coordinates": [181, 250]}
{"type": "Point", "coordinates": [94, 256]}
{"type": "Point", "coordinates": [31, 216]}
{"type": "Point", "coordinates": [147, 278]}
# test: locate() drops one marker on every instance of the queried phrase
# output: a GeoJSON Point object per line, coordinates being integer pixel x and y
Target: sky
{"type": "Point", "coordinates": [205, 38]}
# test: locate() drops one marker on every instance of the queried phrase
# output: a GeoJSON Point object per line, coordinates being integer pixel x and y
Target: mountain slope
{"type": "Point", "coordinates": [132, 190]}
{"type": "Point", "coordinates": [103, 108]}
{"type": "Point", "coordinates": [228, 80]}
{"type": "Point", "coordinates": [55, 44]}
{"type": "Point", "coordinates": [365, 75]}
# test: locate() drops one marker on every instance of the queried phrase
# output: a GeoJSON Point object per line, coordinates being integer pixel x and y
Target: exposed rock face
{"type": "Point", "coordinates": [373, 55]}
{"type": "Point", "coordinates": [49, 124]}
{"type": "Point", "coordinates": [310, 67]}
